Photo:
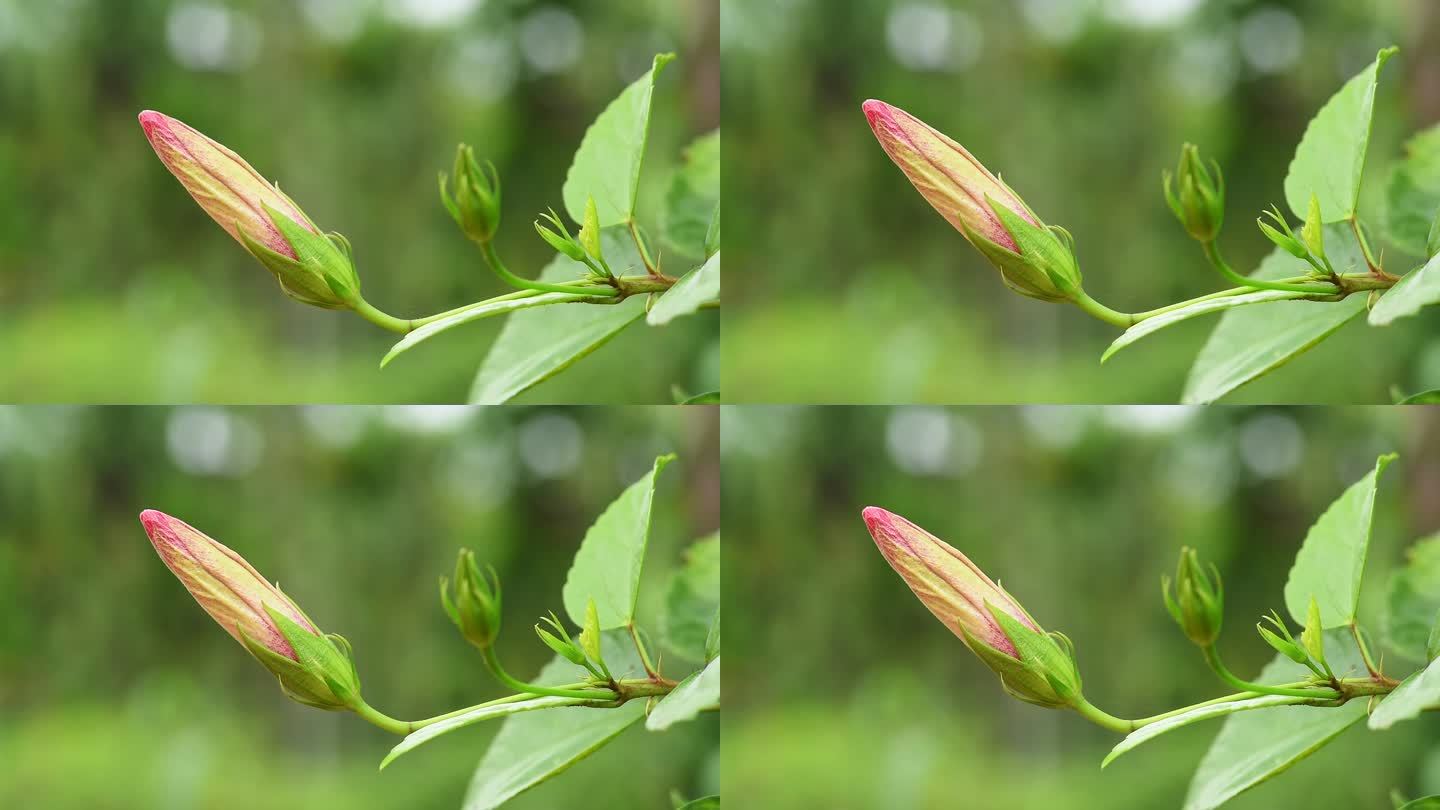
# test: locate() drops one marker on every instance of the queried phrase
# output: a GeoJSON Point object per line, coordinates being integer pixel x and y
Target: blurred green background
{"type": "Point", "coordinates": [866, 295]}
{"type": "Point", "coordinates": [115, 286]}
{"type": "Point", "coordinates": [845, 693]}
{"type": "Point", "coordinates": [117, 691]}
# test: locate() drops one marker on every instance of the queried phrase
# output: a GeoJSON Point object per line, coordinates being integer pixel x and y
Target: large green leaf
{"type": "Point", "coordinates": [1332, 560]}
{"type": "Point", "coordinates": [698, 693]}
{"type": "Point", "coordinates": [693, 599]}
{"type": "Point", "coordinates": [1417, 693]}
{"type": "Point", "coordinates": [1252, 341]}
{"type": "Point", "coordinates": [1150, 326]}
{"type": "Point", "coordinates": [1412, 197]}
{"type": "Point", "coordinates": [535, 345]}
{"type": "Point", "coordinates": [607, 566]}
{"type": "Point", "coordinates": [607, 164]}
{"type": "Point", "coordinates": [1150, 732]}
{"type": "Point", "coordinates": [693, 197]}
{"type": "Point", "coordinates": [1255, 746]}
{"type": "Point", "coordinates": [699, 287]}
{"type": "Point", "coordinates": [533, 747]}
{"type": "Point", "coordinates": [1412, 601]}
{"type": "Point", "coordinates": [1331, 156]}
{"type": "Point", "coordinates": [1418, 289]}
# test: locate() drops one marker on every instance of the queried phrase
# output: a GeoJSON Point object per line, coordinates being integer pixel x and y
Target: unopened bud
{"type": "Point", "coordinates": [475, 206]}
{"type": "Point", "coordinates": [474, 606]}
{"type": "Point", "coordinates": [1196, 195]}
{"type": "Point", "coordinates": [1198, 604]}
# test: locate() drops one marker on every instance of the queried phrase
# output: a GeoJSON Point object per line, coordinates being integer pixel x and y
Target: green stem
{"type": "Point", "coordinates": [1099, 310]}
{"type": "Point", "coordinates": [640, 648]}
{"type": "Point", "coordinates": [504, 677]}
{"type": "Point", "coordinates": [381, 319]}
{"type": "Point", "coordinates": [640, 246]}
{"type": "Point", "coordinates": [402, 727]}
{"type": "Point", "coordinates": [1212, 657]}
{"type": "Point", "coordinates": [1088, 711]}
{"type": "Point", "coordinates": [487, 249]}
{"type": "Point", "coordinates": [1364, 650]}
{"type": "Point", "coordinates": [1212, 252]}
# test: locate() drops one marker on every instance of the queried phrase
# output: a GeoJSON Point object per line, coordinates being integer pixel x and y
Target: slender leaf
{"type": "Point", "coordinates": [535, 346]}
{"type": "Point", "coordinates": [698, 693]}
{"type": "Point", "coordinates": [1253, 341]}
{"type": "Point", "coordinates": [607, 164]}
{"type": "Point", "coordinates": [1332, 560]}
{"type": "Point", "coordinates": [702, 803]}
{"type": "Point", "coordinates": [1412, 196]}
{"type": "Point", "coordinates": [1330, 159]}
{"type": "Point", "coordinates": [1414, 695]}
{"type": "Point", "coordinates": [1418, 289]}
{"type": "Point", "coordinates": [1147, 733]}
{"type": "Point", "coordinates": [693, 197]}
{"type": "Point", "coordinates": [699, 287]}
{"type": "Point", "coordinates": [1150, 326]}
{"type": "Point", "coordinates": [532, 748]}
{"type": "Point", "coordinates": [706, 398]}
{"type": "Point", "coordinates": [1423, 803]}
{"type": "Point", "coordinates": [693, 599]}
{"type": "Point", "coordinates": [607, 566]}
{"type": "Point", "coordinates": [1412, 600]}
{"type": "Point", "coordinates": [1422, 398]}
{"type": "Point", "coordinates": [430, 330]}
{"type": "Point", "coordinates": [1255, 746]}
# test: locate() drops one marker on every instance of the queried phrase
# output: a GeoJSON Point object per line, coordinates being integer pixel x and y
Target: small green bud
{"type": "Point", "coordinates": [1198, 605]}
{"type": "Point", "coordinates": [475, 206]}
{"type": "Point", "coordinates": [1312, 233]}
{"type": "Point", "coordinates": [474, 606]}
{"type": "Point", "coordinates": [1312, 638]}
{"type": "Point", "coordinates": [590, 231]}
{"type": "Point", "coordinates": [1196, 194]}
{"type": "Point", "coordinates": [1284, 238]}
{"type": "Point", "coordinates": [566, 648]}
{"type": "Point", "coordinates": [590, 636]}
{"type": "Point", "coordinates": [562, 241]}
{"type": "Point", "coordinates": [1284, 643]}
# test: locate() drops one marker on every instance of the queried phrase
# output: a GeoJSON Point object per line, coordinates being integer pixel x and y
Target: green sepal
{"type": "Point", "coordinates": [1040, 651]}
{"type": "Point", "coordinates": [1042, 247]}
{"type": "Point", "coordinates": [567, 649]}
{"type": "Point", "coordinates": [590, 637]}
{"type": "Point", "coordinates": [283, 267]}
{"type": "Point", "coordinates": [1285, 241]}
{"type": "Point", "coordinates": [318, 659]}
{"type": "Point", "coordinates": [1287, 648]}
{"type": "Point", "coordinates": [1312, 233]}
{"type": "Point", "coordinates": [590, 231]}
{"type": "Point", "coordinates": [1017, 272]}
{"type": "Point", "coordinates": [1016, 678]}
{"type": "Point", "coordinates": [321, 256]}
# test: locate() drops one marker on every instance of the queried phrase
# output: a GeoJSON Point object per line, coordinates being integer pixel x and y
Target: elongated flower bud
{"type": "Point", "coordinates": [312, 267]}
{"type": "Point", "coordinates": [1033, 259]}
{"type": "Point", "coordinates": [1033, 665]}
{"type": "Point", "coordinates": [313, 668]}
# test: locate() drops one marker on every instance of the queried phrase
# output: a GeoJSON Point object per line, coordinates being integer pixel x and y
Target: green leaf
{"type": "Point", "coordinates": [712, 640]}
{"type": "Point", "coordinates": [1414, 695]}
{"type": "Point", "coordinates": [531, 748]}
{"type": "Point", "coordinates": [607, 164]}
{"type": "Point", "coordinates": [1412, 195]}
{"type": "Point", "coordinates": [706, 398]}
{"type": "Point", "coordinates": [1332, 560]}
{"type": "Point", "coordinates": [1150, 326]}
{"type": "Point", "coordinates": [698, 693]}
{"type": "Point", "coordinates": [693, 599]}
{"type": "Point", "coordinates": [1412, 600]}
{"type": "Point", "coordinates": [607, 566]}
{"type": "Point", "coordinates": [535, 346]}
{"type": "Point", "coordinates": [1253, 341]}
{"type": "Point", "coordinates": [1330, 159]}
{"type": "Point", "coordinates": [1419, 288]}
{"type": "Point", "coordinates": [1424, 803]}
{"type": "Point", "coordinates": [1255, 746]}
{"type": "Point", "coordinates": [712, 236]}
{"type": "Point", "coordinates": [702, 803]}
{"type": "Point", "coordinates": [1150, 732]}
{"type": "Point", "coordinates": [418, 738]}
{"type": "Point", "coordinates": [430, 330]}
{"type": "Point", "coordinates": [694, 197]}
{"type": "Point", "coordinates": [1422, 398]}
{"type": "Point", "coordinates": [699, 286]}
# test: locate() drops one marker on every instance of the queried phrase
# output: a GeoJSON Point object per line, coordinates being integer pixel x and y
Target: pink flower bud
{"type": "Point", "coordinates": [227, 587]}
{"type": "Point", "coordinates": [945, 580]}
{"type": "Point", "coordinates": [228, 188]}
{"type": "Point", "coordinates": [946, 174]}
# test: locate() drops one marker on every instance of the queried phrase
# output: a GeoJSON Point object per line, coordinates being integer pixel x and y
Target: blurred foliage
{"type": "Point", "coordinates": [843, 691]}
{"type": "Point", "coordinates": [117, 691]}
{"type": "Point", "coordinates": [868, 296]}
{"type": "Point", "coordinates": [114, 287]}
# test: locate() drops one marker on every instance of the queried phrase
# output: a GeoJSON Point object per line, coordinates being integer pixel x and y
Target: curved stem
{"type": "Point", "coordinates": [504, 677]}
{"type": "Point", "coordinates": [1099, 310]}
{"type": "Point", "coordinates": [1088, 711]}
{"type": "Point", "coordinates": [376, 717]}
{"type": "Point", "coordinates": [487, 249]}
{"type": "Point", "coordinates": [1212, 657]}
{"type": "Point", "coordinates": [640, 648]}
{"type": "Point", "coordinates": [640, 246]}
{"type": "Point", "coordinates": [1212, 252]}
{"type": "Point", "coordinates": [381, 319]}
